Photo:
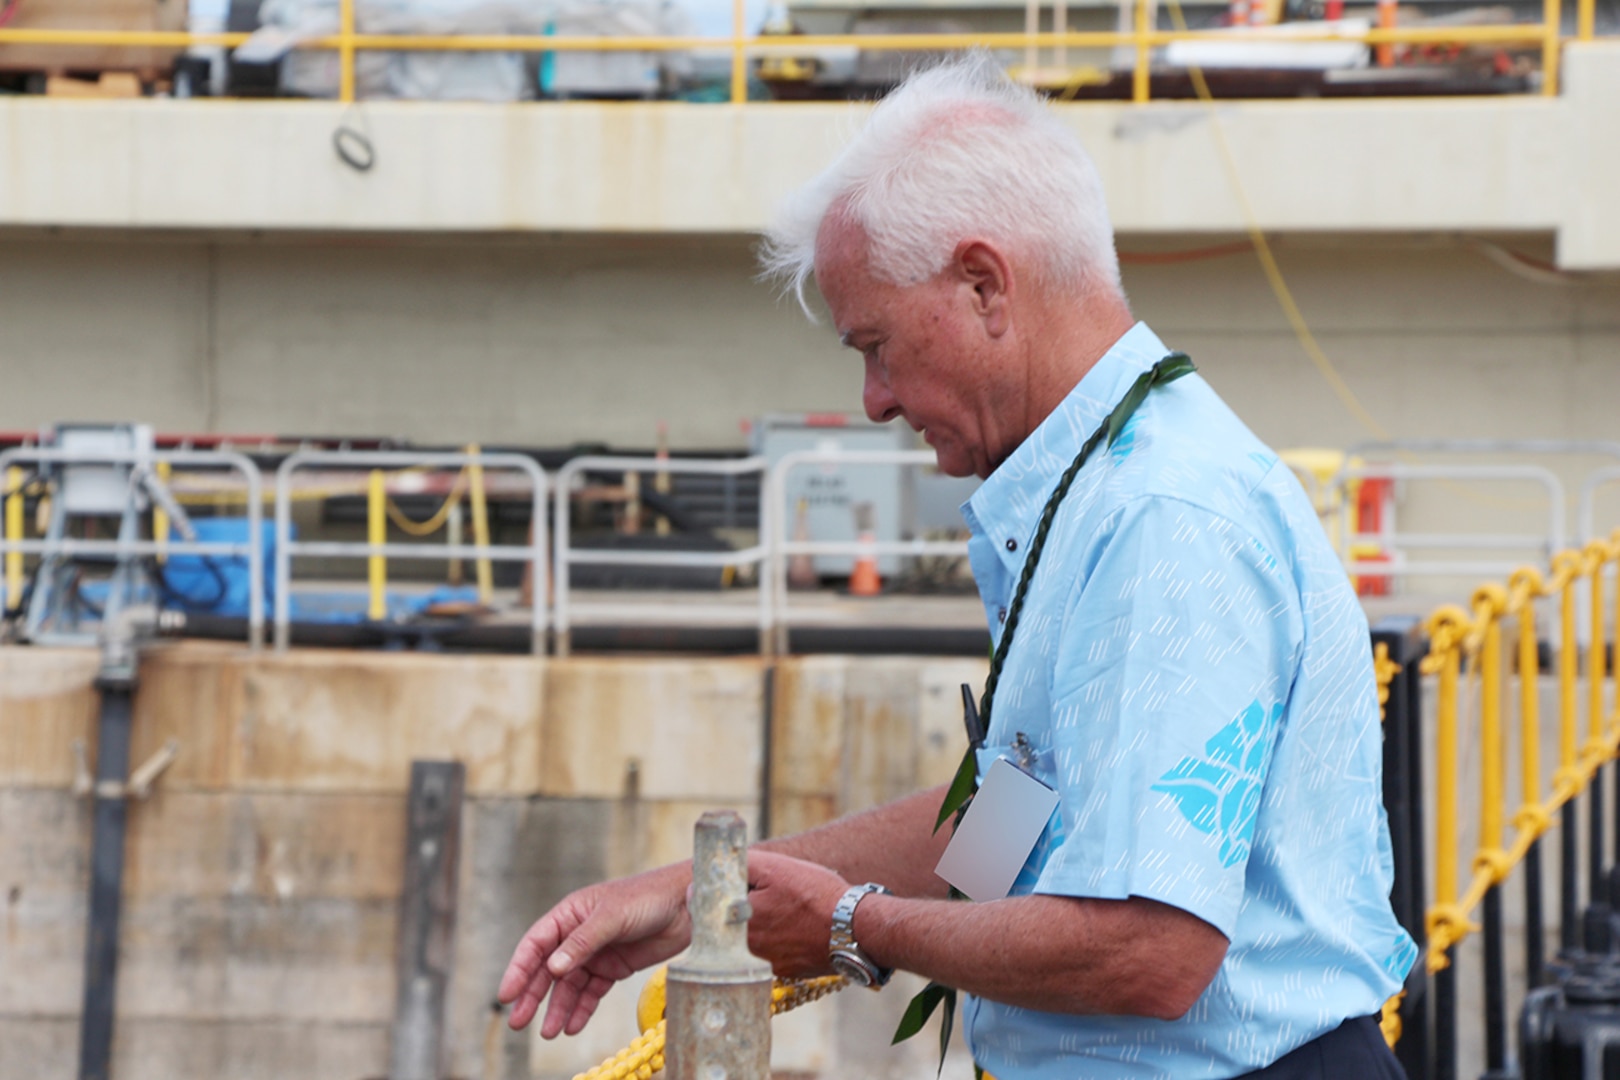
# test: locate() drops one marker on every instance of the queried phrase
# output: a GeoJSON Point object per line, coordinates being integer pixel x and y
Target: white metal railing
{"type": "Point", "coordinates": [567, 611]}
{"type": "Point", "coordinates": [771, 611]}
{"type": "Point", "coordinates": [1545, 544]}
{"type": "Point", "coordinates": [125, 548]}
{"type": "Point", "coordinates": [784, 548]}
{"type": "Point", "coordinates": [533, 553]}
{"type": "Point", "coordinates": [1587, 512]}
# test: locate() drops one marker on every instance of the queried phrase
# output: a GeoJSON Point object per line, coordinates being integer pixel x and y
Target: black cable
{"type": "Point", "coordinates": [160, 574]}
{"type": "Point", "coordinates": [353, 148]}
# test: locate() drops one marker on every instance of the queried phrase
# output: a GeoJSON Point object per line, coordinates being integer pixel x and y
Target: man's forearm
{"type": "Point", "coordinates": [1056, 954]}
{"type": "Point", "coordinates": [893, 844]}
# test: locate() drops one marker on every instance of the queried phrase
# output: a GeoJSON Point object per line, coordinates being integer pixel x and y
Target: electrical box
{"type": "Point", "coordinates": [100, 489]}
{"type": "Point", "coordinates": [819, 501]}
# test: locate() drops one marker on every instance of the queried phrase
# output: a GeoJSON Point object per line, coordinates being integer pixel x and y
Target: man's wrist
{"type": "Point", "coordinates": [848, 957]}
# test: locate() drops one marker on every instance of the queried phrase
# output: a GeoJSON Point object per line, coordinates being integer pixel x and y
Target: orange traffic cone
{"type": "Point", "coordinates": [864, 580]}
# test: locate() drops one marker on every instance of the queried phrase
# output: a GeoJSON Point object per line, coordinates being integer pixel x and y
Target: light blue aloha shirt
{"type": "Point", "coordinates": [1194, 672]}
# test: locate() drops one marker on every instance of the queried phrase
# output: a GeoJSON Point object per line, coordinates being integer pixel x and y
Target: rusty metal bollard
{"type": "Point", "coordinates": [719, 993]}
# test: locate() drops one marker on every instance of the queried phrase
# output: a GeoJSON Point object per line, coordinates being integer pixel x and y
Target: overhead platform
{"type": "Point", "coordinates": [1496, 164]}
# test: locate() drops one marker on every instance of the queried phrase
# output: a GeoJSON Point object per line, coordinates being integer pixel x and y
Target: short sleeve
{"type": "Point", "coordinates": [1174, 666]}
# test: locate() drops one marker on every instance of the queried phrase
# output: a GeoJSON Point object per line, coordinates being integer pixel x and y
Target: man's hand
{"type": "Point", "coordinates": [793, 903]}
{"type": "Point", "coordinates": [591, 940]}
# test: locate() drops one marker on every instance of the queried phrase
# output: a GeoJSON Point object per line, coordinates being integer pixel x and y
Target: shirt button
{"type": "Point", "coordinates": [1012, 545]}
{"type": "Point", "coordinates": [1001, 616]}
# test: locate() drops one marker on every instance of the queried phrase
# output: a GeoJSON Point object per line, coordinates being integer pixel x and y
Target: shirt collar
{"type": "Point", "coordinates": [1007, 506]}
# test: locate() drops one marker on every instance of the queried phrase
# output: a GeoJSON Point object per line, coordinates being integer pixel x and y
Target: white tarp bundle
{"type": "Point", "coordinates": [450, 75]}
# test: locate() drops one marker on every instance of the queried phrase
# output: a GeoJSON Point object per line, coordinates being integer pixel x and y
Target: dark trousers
{"type": "Point", "coordinates": [1355, 1050]}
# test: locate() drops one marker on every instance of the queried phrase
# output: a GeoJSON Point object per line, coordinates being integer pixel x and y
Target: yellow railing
{"type": "Point", "coordinates": [1142, 40]}
{"type": "Point", "coordinates": [1471, 641]}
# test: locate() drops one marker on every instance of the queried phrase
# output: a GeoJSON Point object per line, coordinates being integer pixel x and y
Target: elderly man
{"type": "Point", "coordinates": [1180, 663]}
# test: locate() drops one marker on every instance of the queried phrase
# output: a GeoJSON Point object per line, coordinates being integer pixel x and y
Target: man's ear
{"type": "Point", "coordinates": [985, 271]}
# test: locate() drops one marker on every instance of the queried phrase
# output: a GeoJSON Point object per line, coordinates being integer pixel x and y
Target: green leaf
{"type": "Point", "coordinates": [946, 1023]}
{"type": "Point", "coordinates": [963, 785]}
{"type": "Point", "coordinates": [922, 1006]}
{"type": "Point", "coordinates": [1174, 367]}
{"type": "Point", "coordinates": [1127, 405]}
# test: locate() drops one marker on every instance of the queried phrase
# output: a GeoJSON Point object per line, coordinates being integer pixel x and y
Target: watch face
{"type": "Point", "coordinates": [850, 969]}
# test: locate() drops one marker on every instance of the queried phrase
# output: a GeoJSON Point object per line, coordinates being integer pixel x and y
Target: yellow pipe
{"type": "Point", "coordinates": [1595, 669]}
{"type": "Point", "coordinates": [1586, 20]}
{"type": "Point", "coordinates": [14, 531]}
{"type": "Point", "coordinates": [1551, 47]}
{"type": "Point", "coordinates": [160, 517]}
{"type": "Point", "coordinates": [1445, 852]}
{"type": "Point", "coordinates": [1143, 38]}
{"type": "Point", "coordinates": [377, 535]}
{"type": "Point", "coordinates": [346, 50]}
{"type": "Point", "coordinates": [1567, 674]}
{"type": "Point", "coordinates": [1490, 735]}
{"type": "Point", "coordinates": [1529, 707]}
{"type": "Point", "coordinates": [739, 53]}
{"type": "Point", "coordinates": [1141, 84]}
{"type": "Point", "coordinates": [480, 515]}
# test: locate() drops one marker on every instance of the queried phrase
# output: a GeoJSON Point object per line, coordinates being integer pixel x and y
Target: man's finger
{"type": "Point", "coordinates": [528, 959]}
{"type": "Point", "coordinates": [598, 930]}
{"type": "Point", "coordinates": [564, 999]}
{"type": "Point", "coordinates": [589, 998]}
{"type": "Point", "coordinates": [528, 1002]}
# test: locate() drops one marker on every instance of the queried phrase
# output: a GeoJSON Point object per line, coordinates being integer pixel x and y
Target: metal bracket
{"type": "Point", "coordinates": [139, 785]}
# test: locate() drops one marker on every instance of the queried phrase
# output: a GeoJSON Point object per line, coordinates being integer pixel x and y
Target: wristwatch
{"type": "Point", "coordinates": [847, 958]}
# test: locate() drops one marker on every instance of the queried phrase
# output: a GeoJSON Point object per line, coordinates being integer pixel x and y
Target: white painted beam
{"type": "Point", "coordinates": [1480, 164]}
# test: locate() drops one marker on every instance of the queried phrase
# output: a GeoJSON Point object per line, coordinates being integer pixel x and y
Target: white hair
{"type": "Point", "coordinates": [957, 152]}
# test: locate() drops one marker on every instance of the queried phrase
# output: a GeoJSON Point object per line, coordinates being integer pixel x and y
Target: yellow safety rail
{"type": "Point", "coordinates": [380, 510]}
{"type": "Point", "coordinates": [1471, 640]}
{"type": "Point", "coordinates": [14, 531]}
{"type": "Point", "coordinates": [1142, 39]}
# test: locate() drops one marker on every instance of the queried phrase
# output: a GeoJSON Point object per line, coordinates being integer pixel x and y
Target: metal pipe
{"type": "Point", "coordinates": [14, 531]}
{"type": "Point", "coordinates": [377, 534]}
{"type": "Point", "coordinates": [1595, 676]}
{"type": "Point", "coordinates": [106, 878]}
{"type": "Point", "coordinates": [1445, 841]}
{"type": "Point", "coordinates": [1552, 46]}
{"type": "Point", "coordinates": [346, 48]}
{"type": "Point", "coordinates": [1141, 85]}
{"type": "Point", "coordinates": [719, 1005]}
{"type": "Point", "coordinates": [1495, 987]}
{"type": "Point", "coordinates": [160, 516]}
{"type": "Point", "coordinates": [1445, 1020]}
{"type": "Point", "coordinates": [1586, 20]}
{"type": "Point", "coordinates": [1569, 916]}
{"type": "Point", "coordinates": [1490, 737]}
{"type": "Point", "coordinates": [1535, 941]}
{"type": "Point", "coordinates": [739, 52]}
{"type": "Point", "coordinates": [480, 522]}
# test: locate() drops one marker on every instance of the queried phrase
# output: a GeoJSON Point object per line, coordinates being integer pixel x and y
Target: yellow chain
{"type": "Point", "coordinates": [645, 1054]}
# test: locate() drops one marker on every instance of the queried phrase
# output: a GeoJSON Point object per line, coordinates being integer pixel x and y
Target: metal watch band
{"type": "Point", "coordinates": [847, 956]}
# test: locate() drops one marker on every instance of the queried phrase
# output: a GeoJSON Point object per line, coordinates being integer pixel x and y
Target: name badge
{"type": "Point", "coordinates": [997, 833]}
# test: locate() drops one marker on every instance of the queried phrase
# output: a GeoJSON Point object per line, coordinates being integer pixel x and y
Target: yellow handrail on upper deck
{"type": "Point", "coordinates": [1143, 38]}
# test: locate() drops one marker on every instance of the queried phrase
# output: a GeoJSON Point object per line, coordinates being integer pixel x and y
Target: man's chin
{"type": "Point", "coordinates": [951, 463]}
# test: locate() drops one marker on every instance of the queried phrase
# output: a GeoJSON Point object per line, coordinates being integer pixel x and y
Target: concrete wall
{"type": "Point", "coordinates": [263, 876]}
{"type": "Point", "coordinates": [1506, 163]}
{"type": "Point", "coordinates": [547, 341]}
{"type": "Point", "coordinates": [552, 340]}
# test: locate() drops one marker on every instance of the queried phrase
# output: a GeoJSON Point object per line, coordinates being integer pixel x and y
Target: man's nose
{"type": "Point", "coordinates": [881, 405]}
